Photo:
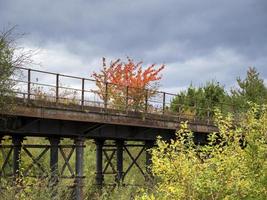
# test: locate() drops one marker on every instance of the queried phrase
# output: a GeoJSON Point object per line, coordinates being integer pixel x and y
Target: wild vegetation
{"type": "Point", "coordinates": [232, 165]}
{"type": "Point", "coordinates": [11, 56]}
{"type": "Point", "coordinates": [7, 65]}
{"type": "Point", "coordinates": [127, 84]}
{"type": "Point", "coordinates": [198, 100]}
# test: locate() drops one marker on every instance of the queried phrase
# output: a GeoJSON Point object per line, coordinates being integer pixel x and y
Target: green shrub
{"type": "Point", "coordinates": [232, 166]}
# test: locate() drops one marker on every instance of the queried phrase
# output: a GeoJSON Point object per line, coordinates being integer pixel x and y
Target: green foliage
{"type": "Point", "coordinates": [39, 188]}
{"type": "Point", "coordinates": [251, 89]}
{"type": "Point", "coordinates": [6, 69]}
{"type": "Point", "coordinates": [32, 189]}
{"type": "Point", "coordinates": [223, 169]}
{"type": "Point", "coordinates": [200, 101]}
{"type": "Point", "coordinates": [11, 56]}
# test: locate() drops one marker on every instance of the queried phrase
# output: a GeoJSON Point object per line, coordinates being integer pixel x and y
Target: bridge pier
{"type": "Point", "coordinates": [4, 159]}
{"type": "Point", "coordinates": [99, 163]}
{"type": "Point", "coordinates": [119, 149]}
{"type": "Point", "coordinates": [54, 142]}
{"type": "Point", "coordinates": [119, 146]}
{"type": "Point", "coordinates": [79, 146]}
{"type": "Point", "coordinates": [54, 145]}
{"type": "Point", "coordinates": [17, 144]}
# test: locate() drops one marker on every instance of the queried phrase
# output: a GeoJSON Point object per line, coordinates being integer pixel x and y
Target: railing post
{"type": "Point", "coordinates": [208, 115]}
{"type": "Point", "coordinates": [195, 110]}
{"type": "Point", "coordinates": [146, 100]}
{"type": "Point", "coordinates": [57, 87]}
{"type": "Point", "coordinates": [163, 103]}
{"type": "Point", "coordinates": [106, 96]}
{"type": "Point", "coordinates": [127, 98]}
{"type": "Point", "coordinates": [179, 111]}
{"type": "Point", "coordinates": [29, 84]}
{"type": "Point", "coordinates": [82, 102]}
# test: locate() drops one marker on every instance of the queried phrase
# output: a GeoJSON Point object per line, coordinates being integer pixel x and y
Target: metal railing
{"type": "Point", "coordinates": [32, 84]}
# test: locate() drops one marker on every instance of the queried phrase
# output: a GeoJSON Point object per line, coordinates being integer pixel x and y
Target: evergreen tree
{"type": "Point", "coordinates": [252, 89]}
{"type": "Point", "coordinates": [200, 101]}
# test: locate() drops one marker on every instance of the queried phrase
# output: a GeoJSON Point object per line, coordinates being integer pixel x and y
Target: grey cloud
{"type": "Point", "coordinates": [173, 32]}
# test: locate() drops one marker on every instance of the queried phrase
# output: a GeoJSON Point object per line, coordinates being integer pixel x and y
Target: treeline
{"type": "Point", "coordinates": [199, 100]}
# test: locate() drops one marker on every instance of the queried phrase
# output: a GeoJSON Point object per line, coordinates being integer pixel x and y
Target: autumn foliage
{"type": "Point", "coordinates": [127, 84]}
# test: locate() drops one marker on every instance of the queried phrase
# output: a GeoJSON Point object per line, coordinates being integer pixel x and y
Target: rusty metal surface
{"type": "Point", "coordinates": [40, 113]}
{"type": "Point", "coordinates": [95, 115]}
{"type": "Point", "coordinates": [86, 96]}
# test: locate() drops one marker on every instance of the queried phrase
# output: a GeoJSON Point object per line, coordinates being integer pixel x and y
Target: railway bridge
{"type": "Point", "coordinates": [56, 106]}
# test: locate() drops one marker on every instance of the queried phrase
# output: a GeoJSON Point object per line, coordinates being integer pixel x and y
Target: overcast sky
{"type": "Point", "coordinates": [197, 40]}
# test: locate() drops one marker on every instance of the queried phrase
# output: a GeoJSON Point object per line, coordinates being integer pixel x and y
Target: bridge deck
{"type": "Point", "coordinates": [55, 112]}
{"type": "Point", "coordinates": [54, 109]}
{"type": "Point", "coordinates": [42, 118]}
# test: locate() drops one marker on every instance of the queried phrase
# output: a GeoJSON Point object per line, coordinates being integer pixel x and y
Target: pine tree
{"type": "Point", "coordinates": [252, 89]}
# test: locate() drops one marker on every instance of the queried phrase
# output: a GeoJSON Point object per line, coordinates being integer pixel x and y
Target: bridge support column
{"type": "Point", "coordinates": [54, 142]}
{"type": "Point", "coordinates": [17, 143]}
{"type": "Point", "coordinates": [99, 163]}
{"type": "Point", "coordinates": [3, 161]}
{"type": "Point", "coordinates": [79, 146]}
{"type": "Point", "coordinates": [148, 146]}
{"type": "Point", "coordinates": [1, 139]}
{"type": "Point", "coordinates": [119, 176]}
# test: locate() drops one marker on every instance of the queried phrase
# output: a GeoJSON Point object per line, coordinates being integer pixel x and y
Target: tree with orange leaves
{"type": "Point", "coordinates": [127, 84]}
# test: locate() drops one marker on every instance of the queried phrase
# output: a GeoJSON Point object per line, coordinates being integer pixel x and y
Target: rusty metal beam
{"type": "Point", "coordinates": [98, 115]}
{"type": "Point", "coordinates": [134, 160]}
{"type": "Point", "coordinates": [66, 159]}
{"type": "Point", "coordinates": [99, 163]}
{"type": "Point", "coordinates": [108, 160]}
{"type": "Point", "coordinates": [79, 146]}
{"type": "Point", "coordinates": [35, 161]}
{"type": "Point", "coordinates": [54, 142]}
{"type": "Point", "coordinates": [119, 176]}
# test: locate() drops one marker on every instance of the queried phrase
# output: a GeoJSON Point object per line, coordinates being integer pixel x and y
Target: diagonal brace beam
{"type": "Point", "coordinates": [134, 161]}
{"type": "Point", "coordinates": [109, 160]}
{"type": "Point", "coordinates": [35, 160]}
{"type": "Point", "coordinates": [66, 160]}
